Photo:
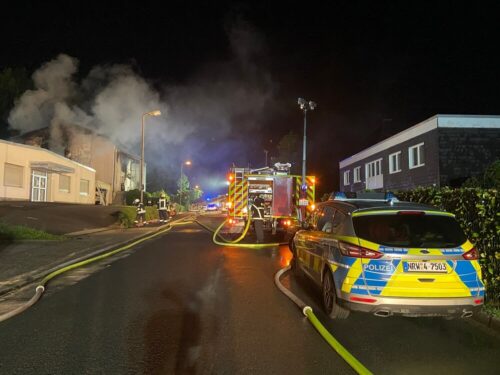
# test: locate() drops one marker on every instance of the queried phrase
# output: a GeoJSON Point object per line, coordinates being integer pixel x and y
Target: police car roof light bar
{"type": "Point", "coordinates": [367, 196]}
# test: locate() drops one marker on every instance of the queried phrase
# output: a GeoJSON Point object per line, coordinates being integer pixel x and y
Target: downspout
{"type": "Point", "coordinates": [114, 175]}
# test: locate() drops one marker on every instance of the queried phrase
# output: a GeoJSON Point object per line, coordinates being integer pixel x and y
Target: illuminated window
{"type": "Point", "coordinates": [395, 162]}
{"type": "Point", "coordinates": [84, 187]}
{"type": "Point", "coordinates": [416, 156]}
{"type": "Point", "coordinates": [13, 175]}
{"type": "Point", "coordinates": [346, 177]}
{"type": "Point", "coordinates": [357, 174]}
{"type": "Point", "coordinates": [64, 183]}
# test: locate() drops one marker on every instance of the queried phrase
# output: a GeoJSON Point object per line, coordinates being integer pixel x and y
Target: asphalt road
{"type": "Point", "coordinates": [180, 304]}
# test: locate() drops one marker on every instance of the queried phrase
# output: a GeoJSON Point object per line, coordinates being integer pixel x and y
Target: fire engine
{"type": "Point", "coordinates": [280, 190]}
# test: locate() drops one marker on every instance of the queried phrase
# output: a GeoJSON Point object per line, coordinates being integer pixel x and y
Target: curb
{"type": "Point", "coordinates": [489, 321]}
{"type": "Point", "coordinates": [30, 278]}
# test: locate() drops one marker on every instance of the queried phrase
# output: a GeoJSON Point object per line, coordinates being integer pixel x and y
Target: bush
{"type": "Point", "coordinates": [127, 215]}
{"type": "Point", "coordinates": [478, 212]}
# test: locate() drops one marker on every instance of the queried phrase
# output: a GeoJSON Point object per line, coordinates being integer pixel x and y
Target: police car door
{"type": "Point", "coordinates": [322, 241]}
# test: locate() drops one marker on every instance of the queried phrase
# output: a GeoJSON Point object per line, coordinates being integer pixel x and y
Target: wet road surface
{"type": "Point", "coordinates": [180, 304]}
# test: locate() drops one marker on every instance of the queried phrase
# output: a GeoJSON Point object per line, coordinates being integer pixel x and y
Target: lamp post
{"type": "Point", "coordinates": [187, 162]}
{"type": "Point", "coordinates": [304, 106]}
{"type": "Point", "coordinates": [152, 113]}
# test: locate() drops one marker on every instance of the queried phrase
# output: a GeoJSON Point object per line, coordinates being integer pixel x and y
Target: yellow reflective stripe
{"type": "Point", "coordinates": [467, 246]}
{"type": "Point", "coordinates": [333, 267]}
{"type": "Point", "coordinates": [395, 211]}
{"type": "Point", "coordinates": [352, 276]}
{"type": "Point", "coordinates": [349, 239]}
{"type": "Point", "coordinates": [317, 263]}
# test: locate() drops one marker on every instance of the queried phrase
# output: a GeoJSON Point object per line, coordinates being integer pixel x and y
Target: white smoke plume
{"type": "Point", "coordinates": [222, 98]}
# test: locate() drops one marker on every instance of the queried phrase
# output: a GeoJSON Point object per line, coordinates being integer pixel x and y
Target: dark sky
{"type": "Point", "coordinates": [373, 67]}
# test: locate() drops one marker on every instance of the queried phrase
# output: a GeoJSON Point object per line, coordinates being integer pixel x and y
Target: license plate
{"type": "Point", "coordinates": [439, 267]}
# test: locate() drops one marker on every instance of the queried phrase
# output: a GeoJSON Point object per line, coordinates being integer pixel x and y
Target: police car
{"type": "Point", "coordinates": [375, 254]}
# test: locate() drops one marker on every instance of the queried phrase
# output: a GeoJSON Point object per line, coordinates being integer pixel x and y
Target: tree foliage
{"type": "Point", "coordinates": [490, 179]}
{"type": "Point", "coordinates": [478, 212]}
{"type": "Point", "coordinates": [13, 82]}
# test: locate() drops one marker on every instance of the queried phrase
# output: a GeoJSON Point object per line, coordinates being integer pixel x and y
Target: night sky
{"type": "Point", "coordinates": [374, 67]}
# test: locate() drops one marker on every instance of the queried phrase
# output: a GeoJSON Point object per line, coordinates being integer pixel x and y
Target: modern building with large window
{"type": "Point", "coordinates": [29, 173]}
{"type": "Point", "coordinates": [443, 150]}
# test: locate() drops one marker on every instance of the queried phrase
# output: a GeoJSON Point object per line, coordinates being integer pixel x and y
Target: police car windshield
{"type": "Point", "coordinates": [430, 231]}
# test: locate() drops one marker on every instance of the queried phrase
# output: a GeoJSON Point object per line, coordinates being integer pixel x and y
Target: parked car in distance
{"type": "Point", "coordinates": [386, 257]}
{"type": "Point", "coordinates": [212, 207]}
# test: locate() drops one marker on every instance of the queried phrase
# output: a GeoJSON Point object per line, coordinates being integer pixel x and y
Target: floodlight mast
{"type": "Point", "coordinates": [305, 106]}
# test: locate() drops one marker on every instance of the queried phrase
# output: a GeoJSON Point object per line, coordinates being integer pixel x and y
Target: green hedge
{"type": "Point", "coordinates": [478, 212]}
{"type": "Point", "coordinates": [128, 214]}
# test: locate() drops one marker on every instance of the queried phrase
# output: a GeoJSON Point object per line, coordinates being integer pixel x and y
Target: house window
{"type": "Point", "coordinates": [84, 187]}
{"type": "Point", "coordinates": [357, 174]}
{"type": "Point", "coordinates": [395, 162]}
{"type": "Point", "coordinates": [64, 183]}
{"type": "Point", "coordinates": [416, 156]}
{"type": "Point", "coordinates": [13, 175]}
{"type": "Point", "coordinates": [373, 168]}
{"type": "Point", "coordinates": [346, 177]}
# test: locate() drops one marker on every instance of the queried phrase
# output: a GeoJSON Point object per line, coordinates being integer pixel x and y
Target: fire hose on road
{"type": "Point", "coordinates": [307, 310]}
{"type": "Point", "coordinates": [40, 288]}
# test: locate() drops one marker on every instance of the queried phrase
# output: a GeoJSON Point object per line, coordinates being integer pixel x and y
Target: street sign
{"type": "Point", "coordinates": [304, 187]}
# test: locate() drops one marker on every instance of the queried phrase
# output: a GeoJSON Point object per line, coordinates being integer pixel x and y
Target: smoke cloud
{"type": "Point", "coordinates": [214, 118]}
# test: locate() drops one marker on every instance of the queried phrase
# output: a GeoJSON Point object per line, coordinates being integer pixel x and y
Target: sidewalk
{"type": "Point", "coordinates": [24, 262]}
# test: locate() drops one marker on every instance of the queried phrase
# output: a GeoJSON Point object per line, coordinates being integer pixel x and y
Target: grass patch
{"type": "Point", "coordinates": [21, 232]}
{"type": "Point", "coordinates": [127, 215]}
{"type": "Point", "coordinates": [492, 310]}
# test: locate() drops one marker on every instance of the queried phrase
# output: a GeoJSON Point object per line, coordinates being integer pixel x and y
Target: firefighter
{"type": "Point", "coordinates": [258, 217]}
{"type": "Point", "coordinates": [162, 208]}
{"type": "Point", "coordinates": [141, 212]}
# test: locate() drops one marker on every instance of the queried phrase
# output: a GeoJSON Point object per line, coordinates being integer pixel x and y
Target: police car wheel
{"type": "Point", "coordinates": [332, 308]}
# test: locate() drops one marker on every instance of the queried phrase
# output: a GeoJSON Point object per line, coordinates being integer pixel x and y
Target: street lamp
{"type": "Point", "coordinates": [152, 113]}
{"type": "Point", "coordinates": [304, 106]}
{"type": "Point", "coordinates": [187, 162]}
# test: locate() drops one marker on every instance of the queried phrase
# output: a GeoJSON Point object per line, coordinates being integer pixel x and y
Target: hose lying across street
{"type": "Point", "coordinates": [307, 310]}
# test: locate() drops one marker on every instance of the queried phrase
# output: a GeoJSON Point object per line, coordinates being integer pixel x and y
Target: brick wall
{"type": "Point", "coordinates": [466, 152]}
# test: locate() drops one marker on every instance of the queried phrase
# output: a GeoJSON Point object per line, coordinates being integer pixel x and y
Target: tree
{"type": "Point", "coordinates": [490, 179]}
{"type": "Point", "coordinates": [289, 151]}
{"type": "Point", "coordinates": [195, 194]}
{"type": "Point", "coordinates": [492, 176]}
{"type": "Point", "coordinates": [13, 83]}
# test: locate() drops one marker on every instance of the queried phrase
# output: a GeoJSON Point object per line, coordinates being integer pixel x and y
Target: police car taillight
{"type": "Point", "coordinates": [350, 250]}
{"type": "Point", "coordinates": [472, 254]}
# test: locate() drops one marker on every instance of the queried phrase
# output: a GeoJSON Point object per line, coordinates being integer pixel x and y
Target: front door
{"type": "Point", "coordinates": [38, 186]}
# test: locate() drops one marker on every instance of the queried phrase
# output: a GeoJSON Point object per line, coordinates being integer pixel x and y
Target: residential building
{"type": "Point", "coordinates": [29, 173]}
{"type": "Point", "coordinates": [117, 170]}
{"type": "Point", "coordinates": [443, 150]}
